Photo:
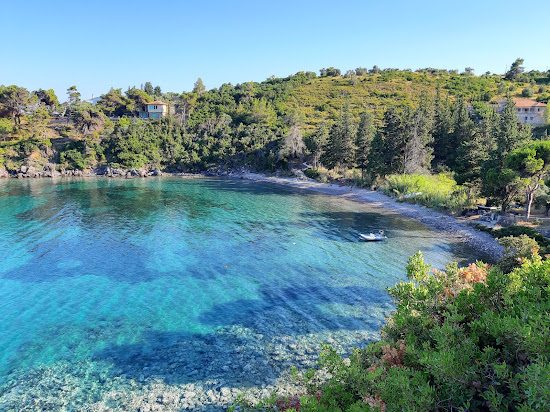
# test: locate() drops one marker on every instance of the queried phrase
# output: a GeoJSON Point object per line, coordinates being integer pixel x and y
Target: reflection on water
{"type": "Point", "coordinates": [125, 290]}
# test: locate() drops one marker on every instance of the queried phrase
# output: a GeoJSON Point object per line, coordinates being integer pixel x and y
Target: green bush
{"type": "Point", "coordinates": [435, 191]}
{"type": "Point", "coordinates": [516, 249]}
{"type": "Point", "coordinates": [312, 173]}
{"type": "Point", "coordinates": [527, 92]}
{"type": "Point", "coordinates": [464, 339]}
{"type": "Point", "coordinates": [516, 230]}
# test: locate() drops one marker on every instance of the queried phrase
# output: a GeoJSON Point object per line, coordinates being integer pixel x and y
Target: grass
{"type": "Point", "coordinates": [434, 191]}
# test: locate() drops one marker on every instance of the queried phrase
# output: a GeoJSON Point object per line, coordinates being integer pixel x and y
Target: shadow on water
{"type": "Point", "coordinates": [256, 339]}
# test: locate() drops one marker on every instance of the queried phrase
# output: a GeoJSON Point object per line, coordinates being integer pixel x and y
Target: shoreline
{"type": "Point", "coordinates": [451, 226]}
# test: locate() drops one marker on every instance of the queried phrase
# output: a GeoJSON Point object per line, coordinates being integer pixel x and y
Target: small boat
{"type": "Point", "coordinates": [371, 237]}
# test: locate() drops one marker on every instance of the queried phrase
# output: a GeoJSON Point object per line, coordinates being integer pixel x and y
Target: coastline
{"type": "Point", "coordinates": [451, 226]}
{"type": "Point", "coordinates": [138, 389]}
{"type": "Point", "coordinates": [455, 228]}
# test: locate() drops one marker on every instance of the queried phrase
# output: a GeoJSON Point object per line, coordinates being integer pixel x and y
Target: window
{"type": "Point", "coordinates": [531, 118]}
{"type": "Point", "coordinates": [526, 109]}
{"type": "Point", "coordinates": [525, 118]}
{"type": "Point", "coordinates": [538, 110]}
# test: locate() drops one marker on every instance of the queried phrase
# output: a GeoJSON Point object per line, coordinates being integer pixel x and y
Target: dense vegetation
{"type": "Point", "coordinates": [377, 122]}
{"type": "Point", "coordinates": [470, 338]}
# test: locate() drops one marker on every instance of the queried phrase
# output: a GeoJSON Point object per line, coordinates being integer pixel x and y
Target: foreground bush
{"type": "Point", "coordinates": [461, 339]}
{"type": "Point", "coordinates": [435, 191]}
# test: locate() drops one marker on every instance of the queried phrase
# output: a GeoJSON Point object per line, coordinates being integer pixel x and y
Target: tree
{"type": "Point", "coordinates": [135, 99]}
{"type": "Point", "coordinates": [443, 143]}
{"type": "Point", "coordinates": [293, 144]}
{"type": "Point", "coordinates": [14, 100]}
{"type": "Point", "coordinates": [157, 91]}
{"type": "Point", "coordinates": [532, 164]}
{"type": "Point", "coordinates": [88, 118]}
{"type": "Point", "coordinates": [501, 185]}
{"type": "Point", "coordinates": [393, 142]}
{"type": "Point", "coordinates": [112, 102]}
{"type": "Point", "coordinates": [148, 88]}
{"type": "Point", "coordinates": [198, 87]}
{"type": "Point", "coordinates": [527, 92]}
{"type": "Point", "coordinates": [516, 69]}
{"type": "Point", "coordinates": [73, 95]}
{"type": "Point", "coordinates": [47, 97]}
{"type": "Point", "coordinates": [462, 130]}
{"type": "Point", "coordinates": [341, 150]}
{"type": "Point", "coordinates": [418, 153]}
{"type": "Point", "coordinates": [375, 70]}
{"type": "Point", "coordinates": [509, 136]}
{"type": "Point", "coordinates": [316, 143]}
{"type": "Point", "coordinates": [6, 128]}
{"type": "Point", "coordinates": [474, 152]}
{"type": "Point", "coordinates": [363, 140]}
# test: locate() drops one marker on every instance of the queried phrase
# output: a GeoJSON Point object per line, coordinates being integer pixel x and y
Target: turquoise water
{"type": "Point", "coordinates": [117, 283]}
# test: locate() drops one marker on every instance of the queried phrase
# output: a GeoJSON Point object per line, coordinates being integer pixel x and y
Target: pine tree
{"type": "Point", "coordinates": [148, 88]}
{"type": "Point", "coordinates": [363, 139]}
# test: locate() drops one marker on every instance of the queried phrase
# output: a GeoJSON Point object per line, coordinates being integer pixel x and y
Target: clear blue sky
{"type": "Point", "coordinates": [101, 44]}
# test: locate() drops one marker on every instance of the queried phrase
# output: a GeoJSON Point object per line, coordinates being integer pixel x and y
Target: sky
{"type": "Point", "coordinates": [99, 44]}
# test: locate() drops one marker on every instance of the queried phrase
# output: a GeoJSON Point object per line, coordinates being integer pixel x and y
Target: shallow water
{"type": "Point", "coordinates": [110, 287]}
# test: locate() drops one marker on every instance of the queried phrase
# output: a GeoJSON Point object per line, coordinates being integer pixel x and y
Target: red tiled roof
{"type": "Point", "coordinates": [528, 103]}
{"type": "Point", "coordinates": [157, 102]}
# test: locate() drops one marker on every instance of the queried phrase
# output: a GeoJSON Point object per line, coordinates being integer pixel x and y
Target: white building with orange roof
{"type": "Point", "coordinates": [530, 112]}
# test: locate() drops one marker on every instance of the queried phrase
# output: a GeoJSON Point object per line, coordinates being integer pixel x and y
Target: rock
{"type": "Point", "coordinates": [23, 169]}
{"type": "Point", "coordinates": [4, 172]}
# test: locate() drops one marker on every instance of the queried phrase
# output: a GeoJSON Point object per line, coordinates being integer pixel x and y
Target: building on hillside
{"type": "Point", "coordinates": [154, 110]}
{"type": "Point", "coordinates": [94, 100]}
{"type": "Point", "coordinates": [528, 111]}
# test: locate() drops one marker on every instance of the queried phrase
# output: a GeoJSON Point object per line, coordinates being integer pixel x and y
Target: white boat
{"type": "Point", "coordinates": [371, 237]}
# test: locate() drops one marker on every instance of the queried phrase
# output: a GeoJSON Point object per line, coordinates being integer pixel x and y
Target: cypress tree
{"type": "Point", "coordinates": [341, 149]}
{"type": "Point", "coordinates": [463, 129]}
{"type": "Point", "coordinates": [418, 153]}
{"type": "Point", "coordinates": [442, 138]}
{"type": "Point", "coordinates": [474, 152]}
{"type": "Point", "coordinates": [363, 140]}
{"type": "Point", "coordinates": [510, 135]}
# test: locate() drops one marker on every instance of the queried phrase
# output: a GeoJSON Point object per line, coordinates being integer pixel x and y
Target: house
{"type": "Point", "coordinates": [530, 112]}
{"type": "Point", "coordinates": [154, 110]}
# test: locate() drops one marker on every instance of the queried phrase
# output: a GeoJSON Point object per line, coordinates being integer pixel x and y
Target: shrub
{"type": "Point", "coordinates": [517, 248]}
{"type": "Point", "coordinates": [483, 347]}
{"type": "Point", "coordinates": [312, 173]}
{"type": "Point", "coordinates": [527, 92]}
